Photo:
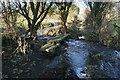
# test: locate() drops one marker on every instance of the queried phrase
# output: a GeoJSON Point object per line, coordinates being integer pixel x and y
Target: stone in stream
{"type": "Point", "coordinates": [81, 37]}
{"type": "Point", "coordinates": [117, 53]}
{"type": "Point", "coordinates": [80, 73]}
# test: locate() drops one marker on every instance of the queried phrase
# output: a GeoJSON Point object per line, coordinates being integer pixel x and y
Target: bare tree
{"type": "Point", "coordinates": [64, 11]}
{"type": "Point", "coordinates": [39, 11]}
{"type": "Point", "coordinates": [33, 12]}
{"type": "Point", "coordinates": [10, 17]}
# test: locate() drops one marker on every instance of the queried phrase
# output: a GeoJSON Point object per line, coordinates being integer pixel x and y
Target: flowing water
{"type": "Point", "coordinates": [78, 54]}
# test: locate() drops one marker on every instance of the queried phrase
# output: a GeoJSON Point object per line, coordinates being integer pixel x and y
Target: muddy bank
{"type": "Point", "coordinates": [35, 65]}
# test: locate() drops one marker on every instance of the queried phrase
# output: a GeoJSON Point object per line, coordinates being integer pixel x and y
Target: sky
{"type": "Point", "coordinates": [81, 5]}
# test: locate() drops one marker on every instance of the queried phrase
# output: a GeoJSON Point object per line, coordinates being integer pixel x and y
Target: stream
{"type": "Point", "coordinates": [39, 32]}
{"type": "Point", "coordinates": [81, 54]}
{"type": "Point", "coordinates": [85, 59]}
{"type": "Point", "coordinates": [77, 55]}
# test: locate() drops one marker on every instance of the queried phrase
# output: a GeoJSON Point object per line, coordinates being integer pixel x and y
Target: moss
{"type": "Point", "coordinates": [99, 55]}
{"type": "Point", "coordinates": [52, 49]}
{"type": "Point", "coordinates": [47, 45]}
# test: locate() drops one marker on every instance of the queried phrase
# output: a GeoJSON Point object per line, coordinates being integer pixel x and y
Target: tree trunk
{"type": "Point", "coordinates": [65, 27]}
{"type": "Point", "coordinates": [33, 33]}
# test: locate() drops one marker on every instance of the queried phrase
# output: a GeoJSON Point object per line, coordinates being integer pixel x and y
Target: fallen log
{"type": "Point", "coordinates": [52, 45]}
